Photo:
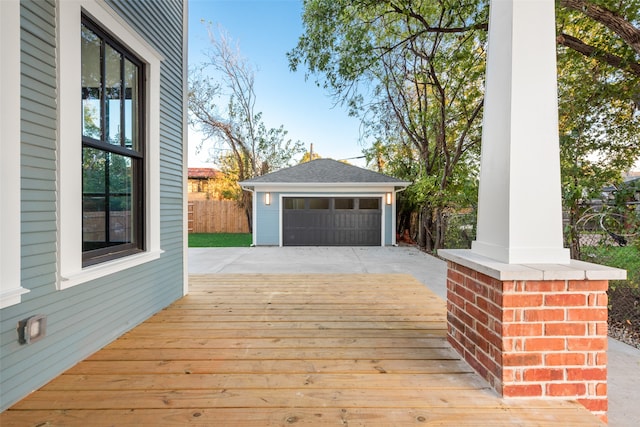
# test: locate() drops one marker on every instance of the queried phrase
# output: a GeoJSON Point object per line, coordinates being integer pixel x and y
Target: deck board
{"type": "Point", "coordinates": [282, 350]}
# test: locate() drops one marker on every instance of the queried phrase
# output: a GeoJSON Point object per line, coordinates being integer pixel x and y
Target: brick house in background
{"type": "Point", "coordinates": [201, 185]}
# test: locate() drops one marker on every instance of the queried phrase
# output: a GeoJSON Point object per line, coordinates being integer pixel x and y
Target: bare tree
{"type": "Point", "coordinates": [222, 106]}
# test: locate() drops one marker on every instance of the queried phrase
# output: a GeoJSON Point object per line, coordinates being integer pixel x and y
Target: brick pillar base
{"type": "Point", "coordinates": [532, 338]}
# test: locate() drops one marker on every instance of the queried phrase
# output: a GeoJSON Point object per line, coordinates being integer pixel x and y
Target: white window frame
{"type": "Point", "coordinates": [10, 287]}
{"type": "Point", "coordinates": [71, 272]}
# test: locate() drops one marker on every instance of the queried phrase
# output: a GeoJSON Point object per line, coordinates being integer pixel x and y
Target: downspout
{"type": "Point", "coordinates": [254, 209]}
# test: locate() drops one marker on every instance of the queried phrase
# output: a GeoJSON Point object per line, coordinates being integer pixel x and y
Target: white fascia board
{"type": "Point", "coordinates": [328, 187]}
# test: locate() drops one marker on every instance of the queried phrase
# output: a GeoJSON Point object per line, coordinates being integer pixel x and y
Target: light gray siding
{"type": "Point", "coordinates": [86, 317]}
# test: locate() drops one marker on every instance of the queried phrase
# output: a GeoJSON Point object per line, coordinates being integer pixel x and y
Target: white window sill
{"type": "Point", "coordinates": [12, 296]}
{"type": "Point", "coordinates": [70, 280]}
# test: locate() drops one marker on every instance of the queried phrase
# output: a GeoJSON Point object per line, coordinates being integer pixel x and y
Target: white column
{"type": "Point", "coordinates": [520, 207]}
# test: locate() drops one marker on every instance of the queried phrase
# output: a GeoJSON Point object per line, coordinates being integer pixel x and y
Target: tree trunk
{"type": "Point", "coordinates": [440, 227]}
{"type": "Point", "coordinates": [404, 221]}
{"type": "Point", "coordinates": [573, 236]}
{"type": "Point", "coordinates": [433, 226]}
{"type": "Point", "coordinates": [421, 238]}
{"type": "Point", "coordinates": [246, 203]}
{"type": "Point", "coordinates": [430, 230]}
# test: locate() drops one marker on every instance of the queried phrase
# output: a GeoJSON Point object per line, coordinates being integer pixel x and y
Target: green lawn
{"type": "Point", "coordinates": [220, 240]}
{"type": "Point", "coordinates": [627, 257]}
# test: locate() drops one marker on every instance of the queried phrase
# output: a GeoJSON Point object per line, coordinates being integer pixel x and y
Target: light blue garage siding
{"type": "Point", "coordinates": [267, 220]}
{"type": "Point", "coordinates": [388, 223]}
{"type": "Point", "coordinates": [86, 317]}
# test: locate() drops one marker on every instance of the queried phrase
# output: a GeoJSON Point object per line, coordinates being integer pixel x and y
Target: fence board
{"type": "Point", "coordinates": [216, 216]}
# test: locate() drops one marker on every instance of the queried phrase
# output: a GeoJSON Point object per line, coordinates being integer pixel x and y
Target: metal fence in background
{"type": "Point", "coordinates": [608, 236]}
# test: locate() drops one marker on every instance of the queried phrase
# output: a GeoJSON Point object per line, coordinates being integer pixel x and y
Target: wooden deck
{"type": "Point", "coordinates": [286, 350]}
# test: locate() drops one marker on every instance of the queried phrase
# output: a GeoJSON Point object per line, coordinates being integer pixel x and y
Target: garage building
{"type": "Point", "coordinates": [324, 203]}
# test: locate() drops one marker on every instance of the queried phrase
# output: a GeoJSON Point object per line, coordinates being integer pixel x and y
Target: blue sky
{"type": "Point", "coordinates": [265, 30]}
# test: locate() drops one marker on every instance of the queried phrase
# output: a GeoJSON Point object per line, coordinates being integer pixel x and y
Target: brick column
{"type": "Point", "coordinates": [532, 337]}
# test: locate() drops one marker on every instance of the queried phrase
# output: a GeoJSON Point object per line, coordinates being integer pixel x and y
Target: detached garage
{"type": "Point", "coordinates": [324, 203]}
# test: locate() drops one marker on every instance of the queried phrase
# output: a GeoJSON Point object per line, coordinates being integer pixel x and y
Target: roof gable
{"type": "Point", "coordinates": [324, 171]}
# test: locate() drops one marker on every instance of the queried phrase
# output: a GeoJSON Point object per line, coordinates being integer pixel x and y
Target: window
{"type": "Point", "coordinates": [317, 203]}
{"type": "Point", "coordinates": [369, 204]}
{"type": "Point", "coordinates": [344, 203]}
{"type": "Point", "coordinates": [112, 156]}
{"type": "Point", "coordinates": [108, 144]}
{"type": "Point", "coordinates": [291, 203]}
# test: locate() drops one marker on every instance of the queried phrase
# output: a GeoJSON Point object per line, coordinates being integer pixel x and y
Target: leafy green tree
{"type": "Point", "coordinates": [401, 161]}
{"type": "Point", "coordinates": [413, 73]}
{"type": "Point", "coordinates": [599, 94]}
{"type": "Point", "coordinates": [226, 182]}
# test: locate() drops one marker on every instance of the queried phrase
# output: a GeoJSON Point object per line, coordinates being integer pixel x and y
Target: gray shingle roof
{"type": "Point", "coordinates": [323, 171]}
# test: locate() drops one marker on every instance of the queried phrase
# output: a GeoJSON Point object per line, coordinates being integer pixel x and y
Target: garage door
{"type": "Point", "coordinates": [331, 221]}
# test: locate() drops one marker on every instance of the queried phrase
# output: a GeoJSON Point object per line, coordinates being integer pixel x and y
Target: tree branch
{"type": "Point", "coordinates": [608, 18]}
{"type": "Point", "coordinates": [438, 29]}
{"type": "Point", "coordinates": [590, 51]}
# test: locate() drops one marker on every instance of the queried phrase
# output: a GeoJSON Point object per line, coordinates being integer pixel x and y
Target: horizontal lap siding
{"type": "Point", "coordinates": [86, 317]}
{"type": "Point", "coordinates": [267, 220]}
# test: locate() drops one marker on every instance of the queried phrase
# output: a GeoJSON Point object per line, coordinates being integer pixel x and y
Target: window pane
{"type": "Point", "coordinates": [369, 203]}
{"type": "Point", "coordinates": [344, 204]}
{"type": "Point", "coordinates": [319, 203]}
{"type": "Point", "coordinates": [290, 203]}
{"type": "Point", "coordinates": [108, 210]}
{"type": "Point", "coordinates": [131, 102]}
{"type": "Point", "coordinates": [94, 197]}
{"type": "Point", "coordinates": [91, 78]}
{"type": "Point", "coordinates": [121, 209]}
{"type": "Point", "coordinates": [113, 81]}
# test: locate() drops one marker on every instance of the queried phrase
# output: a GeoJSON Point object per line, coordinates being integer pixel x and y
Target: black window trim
{"type": "Point", "coordinates": [96, 256]}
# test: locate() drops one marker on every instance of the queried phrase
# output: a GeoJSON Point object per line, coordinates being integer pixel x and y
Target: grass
{"type": "Point", "coordinates": [220, 240]}
{"type": "Point", "coordinates": [627, 257]}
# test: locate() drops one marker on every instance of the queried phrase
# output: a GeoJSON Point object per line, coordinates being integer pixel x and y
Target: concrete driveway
{"type": "Point", "coordinates": [374, 259]}
{"type": "Point", "coordinates": [623, 360]}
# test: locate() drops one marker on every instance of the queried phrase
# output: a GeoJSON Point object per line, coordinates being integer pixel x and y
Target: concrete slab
{"type": "Point", "coordinates": [402, 259]}
{"type": "Point", "coordinates": [623, 384]}
{"type": "Point", "coordinates": [623, 360]}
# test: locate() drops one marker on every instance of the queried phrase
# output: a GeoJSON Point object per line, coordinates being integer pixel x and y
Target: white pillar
{"type": "Point", "coordinates": [520, 207]}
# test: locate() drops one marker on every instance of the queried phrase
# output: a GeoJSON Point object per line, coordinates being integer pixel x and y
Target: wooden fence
{"type": "Point", "coordinates": [216, 216]}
